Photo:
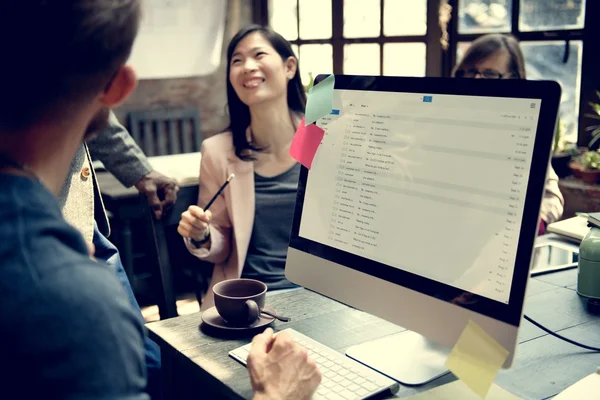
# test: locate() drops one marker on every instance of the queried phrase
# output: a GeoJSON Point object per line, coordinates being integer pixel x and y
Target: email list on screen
{"type": "Point", "coordinates": [430, 184]}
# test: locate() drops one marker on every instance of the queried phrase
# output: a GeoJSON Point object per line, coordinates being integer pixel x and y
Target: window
{"type": "Point", "coordinates": [314, 18]}
{"type": "Point", "coordinates": [547, 60]}
{"type": "Point", "coordinates": [551, 15]}
{"type": "Point", "coordinates": [404, 38]}
{"type": "Point", "coordinates": [404, 59]}
{"type": "Point", "coordinates": [366, 37]}
{"type": "Point", "coordinates": [484, 16]}
{"type": "Point", "coordinates": [284, 18]}
{"type": "Point", "coordinates": [315, 59]}
{"type": "Point", "coordinates": [361, 59]}
{"type": "Point", "coordinates": [558, 59]}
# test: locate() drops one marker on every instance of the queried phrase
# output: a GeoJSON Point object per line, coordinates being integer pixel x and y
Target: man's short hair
{"type": "Point", "coordinates": [57, 54]}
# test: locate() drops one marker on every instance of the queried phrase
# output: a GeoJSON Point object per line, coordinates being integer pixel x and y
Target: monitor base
{"type": "Point", "coordinates": [406, 357]}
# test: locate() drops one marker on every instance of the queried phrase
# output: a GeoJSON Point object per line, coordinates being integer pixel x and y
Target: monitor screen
{"type": "Point", "coordinates": [433, 185]}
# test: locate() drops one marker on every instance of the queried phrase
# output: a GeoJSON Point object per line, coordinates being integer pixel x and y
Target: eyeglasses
{"type": "Point", "coordinates": [485, 74]}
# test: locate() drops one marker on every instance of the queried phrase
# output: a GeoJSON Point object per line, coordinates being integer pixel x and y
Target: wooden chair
{"type": "Point", "coordinates": [158, 250]}
{"type": "Point", "coordinates": [163, 132]}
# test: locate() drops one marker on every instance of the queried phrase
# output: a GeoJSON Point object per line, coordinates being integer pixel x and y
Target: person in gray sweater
{"type": "Point", "coordinates": [82, 207]}
{"type": "Point", "coordinates": [80, 196]}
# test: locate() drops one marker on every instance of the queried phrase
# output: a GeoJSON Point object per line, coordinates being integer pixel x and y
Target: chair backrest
{"type": "Point", "coordinates": [163, 132]}
{"type": "Point", "coordinates": [158, 238]}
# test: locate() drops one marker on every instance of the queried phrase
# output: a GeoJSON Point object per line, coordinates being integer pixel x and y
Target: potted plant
{"type": "Point", "coordinates": [594, 129]}
{"type": "Point", "coordinates": [587, 166]}
{"type": "Point", "coordinates": [562, 152]}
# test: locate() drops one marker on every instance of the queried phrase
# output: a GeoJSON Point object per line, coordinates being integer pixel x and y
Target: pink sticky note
{"type": "Point", "coordinates": [305, 143]}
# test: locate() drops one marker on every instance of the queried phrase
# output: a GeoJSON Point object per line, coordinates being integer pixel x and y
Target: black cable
{"type": "Point", "coordinates": [585, 346]}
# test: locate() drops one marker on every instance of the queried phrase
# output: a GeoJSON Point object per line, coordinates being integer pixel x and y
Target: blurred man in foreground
{"type": "Point", "coordinates": [67, 328]}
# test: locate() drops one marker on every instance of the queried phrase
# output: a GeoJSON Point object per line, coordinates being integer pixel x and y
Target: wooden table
{"type": "Point", "coordinates": [197, 365]}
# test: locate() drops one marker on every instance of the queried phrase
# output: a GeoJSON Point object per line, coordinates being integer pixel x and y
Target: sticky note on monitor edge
{"type": "Point", "coordinates": [305, 143]}
{"type": "Point", "coordinates": [476, 359]}
{"type": "Point", "coordinates": [320, 100]}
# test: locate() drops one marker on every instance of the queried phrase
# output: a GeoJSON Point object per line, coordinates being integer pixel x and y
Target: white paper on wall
{"type": "Point", "coordinates": [179, 38]}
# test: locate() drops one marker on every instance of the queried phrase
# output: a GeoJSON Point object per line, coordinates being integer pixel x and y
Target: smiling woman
{"type": "Point", "coordinates": [262, 58]}
{"type": "Point", "coordinates": [246, 231]}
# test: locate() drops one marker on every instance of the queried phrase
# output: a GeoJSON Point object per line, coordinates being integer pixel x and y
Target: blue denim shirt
{"type": "Point", "coordinates": [67, 330]}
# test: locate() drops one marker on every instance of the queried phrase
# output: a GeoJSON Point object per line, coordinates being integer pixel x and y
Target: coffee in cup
{"type": "Point", "coordinates": [237, 300]}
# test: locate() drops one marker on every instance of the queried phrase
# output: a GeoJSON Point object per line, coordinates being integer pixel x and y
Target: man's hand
{"type": "Point", "coordinates": [153, 183]}
{"type": "Point", "coordinates": [280, 369]}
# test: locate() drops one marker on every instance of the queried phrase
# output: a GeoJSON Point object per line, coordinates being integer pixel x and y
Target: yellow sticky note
{"type": "Point", "coordinates": [476, 359]}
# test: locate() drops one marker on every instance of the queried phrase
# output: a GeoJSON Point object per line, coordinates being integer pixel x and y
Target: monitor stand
{"type": "Point", "coordinates": [406, 357]}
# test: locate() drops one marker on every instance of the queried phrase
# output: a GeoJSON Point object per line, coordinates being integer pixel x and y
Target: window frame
{"type": "Point", "coordinates": [563, 35]}
{"type": "Point", "coordinates": [433, 52]}
{"type": "Point", "coordinates": [440, 62]}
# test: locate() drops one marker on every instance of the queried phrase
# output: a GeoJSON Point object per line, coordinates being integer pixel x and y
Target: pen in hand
{"type": "Point", "coordinates": [190, 219]}
{"type": "Point", "coordinates": [212, 200]}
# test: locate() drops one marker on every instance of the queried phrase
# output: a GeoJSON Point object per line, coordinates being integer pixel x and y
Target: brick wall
{"type": "Point", "coordinates": [207, 93]}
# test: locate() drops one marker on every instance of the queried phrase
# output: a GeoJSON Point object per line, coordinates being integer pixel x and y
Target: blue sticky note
{"type": "Point", "coordinates": [335, 112]}
{"type": "Point", "coordinates": [320, 100]}
{"type": "Point", "coordinates": [427, 99]}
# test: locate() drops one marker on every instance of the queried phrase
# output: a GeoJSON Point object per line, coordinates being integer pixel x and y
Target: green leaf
{"type": "Point", "coordinates": [595, 106]}
{"type": "Point", "coordinates": [312, 81]}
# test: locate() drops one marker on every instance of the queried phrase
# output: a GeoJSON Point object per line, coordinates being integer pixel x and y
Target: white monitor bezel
{"type": "Point", "coordinates": [433, 309]}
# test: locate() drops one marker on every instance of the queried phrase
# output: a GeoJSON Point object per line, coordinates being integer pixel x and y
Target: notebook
{"type": "Point", "coordinates": [586, 389]}
{"type": "Point", "coordinates": [575, 228]}
{"type": "Point", "coordinates": [594, 219]}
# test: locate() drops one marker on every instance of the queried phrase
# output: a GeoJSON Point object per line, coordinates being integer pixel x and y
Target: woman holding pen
{"type": "Point", "coordinates": [248, 180]}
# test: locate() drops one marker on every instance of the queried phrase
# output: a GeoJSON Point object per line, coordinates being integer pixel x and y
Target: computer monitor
{"type": "Point", "coordinates": [421, 207]}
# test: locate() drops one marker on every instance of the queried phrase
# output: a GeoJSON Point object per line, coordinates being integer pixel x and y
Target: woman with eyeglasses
{"type": "Point", "coordinates": [499, 56]}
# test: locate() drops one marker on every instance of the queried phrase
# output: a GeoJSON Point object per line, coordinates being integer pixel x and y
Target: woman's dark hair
{"type": "Point", "coordinates": [239, 113]}
{"type": "Point", "coordinates": [487, 45]}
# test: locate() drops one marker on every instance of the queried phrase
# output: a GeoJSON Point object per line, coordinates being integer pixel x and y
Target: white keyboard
{"type": "Point", "coordinates": [343, 378]}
